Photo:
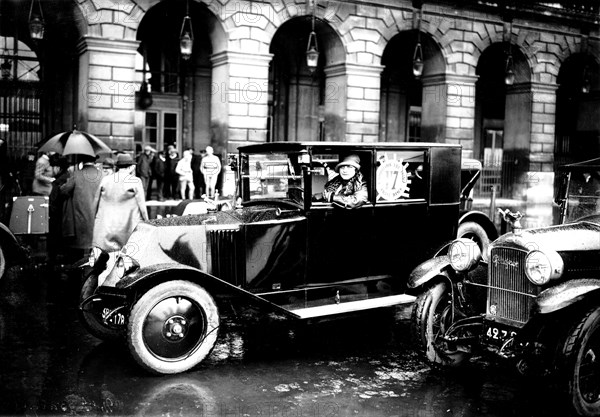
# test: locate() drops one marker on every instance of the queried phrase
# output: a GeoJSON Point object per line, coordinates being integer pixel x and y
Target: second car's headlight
{"type": "Point", "coordinates": [541, 267]}
{"type": "Point", "coordinates": [463, 254]}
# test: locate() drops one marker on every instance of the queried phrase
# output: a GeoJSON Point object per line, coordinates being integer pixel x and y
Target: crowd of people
{"type": "Point", "coordinates": [99, 201]}
{"type": "Point", "coordinates": [190, 176]}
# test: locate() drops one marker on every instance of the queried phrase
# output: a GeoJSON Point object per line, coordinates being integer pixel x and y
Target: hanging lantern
{"type": "Point", "coordinates": [186, 35]}
{"type": "Point", "coordinates": [36, 22]}
{"type": "Point", "coordinates": [312, 52]}
{"type": "Point", "coordinates": [418, 61]}
{"type": "Point", "coordinates": [509, 73]}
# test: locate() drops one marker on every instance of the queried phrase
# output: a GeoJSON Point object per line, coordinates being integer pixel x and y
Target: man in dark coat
{"type": "Point", "coordinates": [144, 169]}
{"type": "Point", "coordinates": [158, 173]}
{"type": "Point", "coordinates": [197, 175]}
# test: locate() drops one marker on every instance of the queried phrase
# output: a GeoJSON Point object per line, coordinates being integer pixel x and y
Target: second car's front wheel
{"type": "Point", "coordinates": [173, 327]}
{"type": "Point", "coordinates": [431, 317]}
{"type": "Point", "coordinates": [581, 365]}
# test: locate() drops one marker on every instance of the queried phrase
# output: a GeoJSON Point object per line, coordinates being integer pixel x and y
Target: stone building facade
{"type": "Point", "coordinates": [247, 80]}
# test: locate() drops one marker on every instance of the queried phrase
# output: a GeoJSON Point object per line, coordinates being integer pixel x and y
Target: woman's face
{"type": "Point", "coordinates": [347, 172]}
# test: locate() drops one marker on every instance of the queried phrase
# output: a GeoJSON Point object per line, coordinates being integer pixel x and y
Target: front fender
{"type": "Point", "coordinates": [155, 274]}
{"type": "Point", "coordinates": [565, 294]}
{"type": "Point", "coordinates": [427, 271]}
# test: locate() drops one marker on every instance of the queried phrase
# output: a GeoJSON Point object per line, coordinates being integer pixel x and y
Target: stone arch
{"type": "Point", "coordinates": [406, 112]}
{"type": "Point", "coordinates": [577, 123]}
{"type": "Point", "coordinates": [502, 131]}
{"type": "Point", "coordinates": [182, 89]}
{"type": "Point", "coordinates": [301, 108]}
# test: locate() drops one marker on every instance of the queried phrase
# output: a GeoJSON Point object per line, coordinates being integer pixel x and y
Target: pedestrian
{"type": "Point", "coordinates": [171, 177]}
{"type": "Point", "coordinates": [27, 173]}
{"type": "Point", "coordinates": [186, 178]}
{"type": "Point", "coordinates": [158, 172]}
{"type": "Point", "coordinates": [82, 186]}
{"type": "Point", "coordinates": [196, 174]}
{"type": "Point", "coordinates": [44, 175]}
{"type": "Point", "coordinates": [144, 169]}
{"type": "Point", "coordinates": [210, 168]}
{"type": "Point", "coordinates": [57, 208]}
{"type": "Point", "coordinates": [108, 167]}
{"type": "Point", "coordinates": [120, 205]}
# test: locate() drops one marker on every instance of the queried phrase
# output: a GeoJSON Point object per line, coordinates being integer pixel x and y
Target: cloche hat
{"type": "Point", "coordinates": [351, 160]}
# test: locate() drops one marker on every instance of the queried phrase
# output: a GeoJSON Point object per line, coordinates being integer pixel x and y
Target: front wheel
{"type": "Point", "coordinates": [172, 327]}
{"type": "Point", "coordinates": [431, 317]}
{"type": "Point", "coordinates": [581, 365]}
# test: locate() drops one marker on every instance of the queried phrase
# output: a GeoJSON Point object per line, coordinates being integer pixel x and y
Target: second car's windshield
{"type": "Point", "coordinates": [584, 195]}
{"type": "Point", "coordinates": [274, 176]}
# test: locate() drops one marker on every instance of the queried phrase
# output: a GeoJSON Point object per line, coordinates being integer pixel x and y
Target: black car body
{"type": "Point", "coordinates": [11, 251]}
{"type": "Point", "coordinates": [280, 250]}
{"type": "Point", "coordinates": [535, 298]}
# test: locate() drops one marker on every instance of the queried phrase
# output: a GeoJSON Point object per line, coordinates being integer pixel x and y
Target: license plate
{"type": "Point", "coordinates": [116, 319]}
{"type": "Point", "coordinates": [496, 334]}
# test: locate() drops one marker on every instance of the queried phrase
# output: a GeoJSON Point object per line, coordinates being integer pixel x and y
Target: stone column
{"type": "Point", "coordinates": [240, 100]}
{"type": "Point", "coordinates": [457, 94]}
{"type": "Point", "coordinates": [106, 99]}
{"type": "Point", "coordinates": [362, 89]}
{"type": "Point", "coordinates": [540, 177]}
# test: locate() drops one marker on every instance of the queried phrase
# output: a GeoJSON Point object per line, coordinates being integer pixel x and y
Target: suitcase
{"type": "Point", "coordinates": [29, 215]}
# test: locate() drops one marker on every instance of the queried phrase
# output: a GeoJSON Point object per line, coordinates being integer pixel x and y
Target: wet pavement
{"type": "Point", "coordinates": [50, 365]}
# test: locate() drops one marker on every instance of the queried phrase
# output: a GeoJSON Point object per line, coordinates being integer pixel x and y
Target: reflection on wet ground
{"type": "Point", "coordinates": [356, 367]}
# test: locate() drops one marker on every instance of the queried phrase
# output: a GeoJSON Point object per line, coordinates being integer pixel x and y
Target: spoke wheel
{"type": "Point", "coordinates": [581, 365]}
{"type": "Point", "coordinates": [173, 327]}
{"type": "Point", "coordinates": [431, 317]}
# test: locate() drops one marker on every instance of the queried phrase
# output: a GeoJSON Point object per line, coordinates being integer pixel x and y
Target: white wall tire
{"type": "Point", "coordinates": [172, 327]}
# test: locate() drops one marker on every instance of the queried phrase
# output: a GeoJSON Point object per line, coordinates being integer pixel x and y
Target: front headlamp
{"type": "Point", "coordinates": [125, 265]}
{"type": "Point", "coordinates": [463, 254]}
{"type": "Point", "coordinates": [541, 267]}
{"type": "Point", "coordinates": [96, 256]}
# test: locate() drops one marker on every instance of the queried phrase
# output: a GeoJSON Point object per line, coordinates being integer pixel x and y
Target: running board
{"type": "Point", "coordinates": [351, 306]}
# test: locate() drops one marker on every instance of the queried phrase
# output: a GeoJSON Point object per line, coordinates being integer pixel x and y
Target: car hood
{"type": "Point", "coordinates": [571, 237]}
{"type": "Point", "coordinates": [175, 239]}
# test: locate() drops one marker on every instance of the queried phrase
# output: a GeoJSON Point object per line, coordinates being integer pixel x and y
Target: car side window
{"type": "Point", "coordinates": [400, 175]}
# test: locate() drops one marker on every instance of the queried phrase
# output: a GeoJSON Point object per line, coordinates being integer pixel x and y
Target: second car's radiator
{"type": "Point", "coordinates": [510, 293]}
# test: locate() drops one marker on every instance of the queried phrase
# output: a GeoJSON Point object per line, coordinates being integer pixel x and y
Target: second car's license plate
{"type": "Point", "coordinates": [498, 334]}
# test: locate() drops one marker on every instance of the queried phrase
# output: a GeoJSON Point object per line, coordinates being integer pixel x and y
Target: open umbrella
{"type": "Point", "coordinates": [75, 142]}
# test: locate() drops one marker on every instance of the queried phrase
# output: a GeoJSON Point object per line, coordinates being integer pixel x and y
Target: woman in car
{"type": "Point", "coordinates": [348, 188]}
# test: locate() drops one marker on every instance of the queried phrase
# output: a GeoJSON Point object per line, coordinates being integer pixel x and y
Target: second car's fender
{"type": "Point", "coordinates": [428, 270]}
{"type": "Point", "coordinates": [566, 294]}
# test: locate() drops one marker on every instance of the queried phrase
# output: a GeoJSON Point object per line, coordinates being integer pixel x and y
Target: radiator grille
{"type": "Point", "coordinates": [510, 290]}
{"type": "Point", "coordinates": [225, 255]}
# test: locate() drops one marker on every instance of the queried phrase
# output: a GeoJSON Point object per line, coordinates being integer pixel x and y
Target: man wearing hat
{"type": "Point", "coordinates": [348, 188]}
{"type": "Point", "coordinates": [144, 169]}
{"type": "Point", "coordinates": [121, 205]}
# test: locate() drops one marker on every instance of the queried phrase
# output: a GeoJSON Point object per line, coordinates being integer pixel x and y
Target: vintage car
{"type": "Point", "coordinates": [282, 249]}
{"type": "Point", "coordinates": [534, 300]}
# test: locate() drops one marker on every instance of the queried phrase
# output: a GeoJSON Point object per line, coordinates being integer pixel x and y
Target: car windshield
{"type": "Point", "coordinates": [269, 176]}
{"type": "Point", "coordinates": [584, 195]}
